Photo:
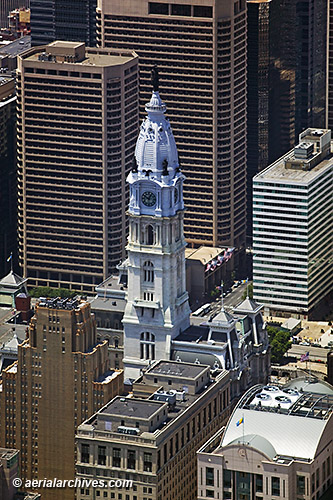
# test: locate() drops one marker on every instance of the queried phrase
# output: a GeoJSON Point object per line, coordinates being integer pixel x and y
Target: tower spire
{"type": "Point", "coordinates": [155, 79]}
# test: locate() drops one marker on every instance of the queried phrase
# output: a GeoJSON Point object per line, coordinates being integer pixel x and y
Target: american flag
{"type": "Point", "coordinates": [305, 357]}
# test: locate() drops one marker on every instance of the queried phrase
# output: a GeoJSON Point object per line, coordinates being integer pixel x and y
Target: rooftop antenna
{"type": "Point", "coordinates": [155, 78]}
{"type": "Point", "coordinates": [247, 288]}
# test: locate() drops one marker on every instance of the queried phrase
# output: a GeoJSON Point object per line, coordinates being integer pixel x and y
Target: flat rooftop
{"type": "Point", "coordinates": [7, 453]}
{"type": "Point", "coordinates": [177, 369]}
{"type": "Point", "coordinates": [92, 57]}
{"type": "Point", "coordinates": [111, 283]}
{"type": "Point", "coordinates": [203, 254]}
{"type": "Point", "coordinates": [294, 398]}
{"type": "Point", "coordinates": [130, 407]}
{"type": "Point", "coordinates": [106, 377]}
{"type": "Point", "coordinates": [279, 173]}
{"type": "Point", "coordinates": [194, 333]}
{"type": "Point", "coordinates": [5, 79]}
{"type": "Point", "coordinates": [64, 44]}
{"type": "Point", "coordinates": [108, 304]}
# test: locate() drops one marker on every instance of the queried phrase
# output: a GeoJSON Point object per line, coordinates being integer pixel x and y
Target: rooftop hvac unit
{"type": "Point", "coordinates": [128, 430]}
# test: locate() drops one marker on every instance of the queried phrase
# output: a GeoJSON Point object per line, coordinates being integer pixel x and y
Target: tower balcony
{"type": "Point", "coordinates": [150, 304]}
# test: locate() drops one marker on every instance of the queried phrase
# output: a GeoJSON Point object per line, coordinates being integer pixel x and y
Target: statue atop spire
{"type": "Point", "coordinates": [155, 78]}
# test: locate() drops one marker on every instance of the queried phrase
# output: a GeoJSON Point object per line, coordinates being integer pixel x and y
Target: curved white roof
{"type": "Point", "coordinates": [257, 442]}
{"type": "Point", "coordinates": [289, 435]}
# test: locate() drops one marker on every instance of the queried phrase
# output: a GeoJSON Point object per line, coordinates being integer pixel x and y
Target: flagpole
{"type": "Point", "coordinates": [243, 429]}
{"type": "Point", "coordinates": [222, 304]}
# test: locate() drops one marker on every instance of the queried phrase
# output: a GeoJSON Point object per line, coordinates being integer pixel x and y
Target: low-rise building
{"type": "Point", "coordinates": [151, 437]}
{"type": "Point", "coordinates": [108, 307]}
{"type": "Point", "coordinates": [236, 342]}
{"type": "Point", "coordinates": [206, 267]}
{"type": "Point", "coordinates": [277, 444]}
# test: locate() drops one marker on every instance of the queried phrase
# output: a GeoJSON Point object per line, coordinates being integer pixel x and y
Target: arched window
{"type": "Point", "coordinates": [147, 346]}
{"type": "Point", "coordinates": [150, 235]}
{"type": "Point", "coordinates": [148, 272]}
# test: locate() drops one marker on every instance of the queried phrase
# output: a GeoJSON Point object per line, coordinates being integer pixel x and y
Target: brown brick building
{"type": "Point", "coordinates": [60, 379]}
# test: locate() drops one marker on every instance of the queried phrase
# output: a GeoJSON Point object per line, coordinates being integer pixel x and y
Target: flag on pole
{"type": "Point", "coordinates": [10, 257]}
{"type": "Point", "coordinates": [305, 357]}
{"type": "Point", "coordinates": [240, 421]}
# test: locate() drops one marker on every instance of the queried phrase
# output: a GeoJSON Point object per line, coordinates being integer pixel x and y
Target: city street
{"type": "Point", "coordinates": [315, 352]}
{"type": "Point", "coordinates": [230, 301]}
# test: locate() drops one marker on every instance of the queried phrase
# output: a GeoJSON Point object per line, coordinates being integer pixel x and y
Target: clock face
{"type": "Point", "coordinates": [176, 195]}
{"type": "Point", "coordinates": [148, 198]}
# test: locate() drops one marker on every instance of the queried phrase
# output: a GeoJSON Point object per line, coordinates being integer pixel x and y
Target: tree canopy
{"type": "Point", "coordinates": [47, 291]}
{"type": "Point", "coordinates": [280, 343]}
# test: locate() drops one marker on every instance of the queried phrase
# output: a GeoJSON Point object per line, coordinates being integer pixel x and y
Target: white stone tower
{"type": "Point", "coordinates": [157, 306]}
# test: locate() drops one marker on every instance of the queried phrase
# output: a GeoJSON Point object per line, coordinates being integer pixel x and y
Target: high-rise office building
{"type": "Point", "coordinates": [293, 228]}
{"type": "Point", "coordinates": [8, 205]}
{"type": "Point", "coordinates": [258, 72]}
{"type": "Point", "coordinates": [73, 20]}
{"type": "Point", "coordinates": [286, 80]}
{"type": "Point", "coordinates": [61, 377]}
{"type": "Point", "coordinates": [298, 31]}
{"type": "Point", "coordinates": [329, 79]}
{"type": "Point", "coordinates": [200, 49]}
{"type": "Point", "coordinates": [77, 127]}
{"type": "Point", "coordinates": [8, 5]}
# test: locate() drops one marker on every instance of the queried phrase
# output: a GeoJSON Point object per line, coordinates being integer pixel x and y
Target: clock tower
{"type": "Point", "coordinates": [157, 307]}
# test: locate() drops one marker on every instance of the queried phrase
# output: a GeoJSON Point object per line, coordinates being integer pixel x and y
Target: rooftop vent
{"type": "Point", "coordinates": [303, 150]}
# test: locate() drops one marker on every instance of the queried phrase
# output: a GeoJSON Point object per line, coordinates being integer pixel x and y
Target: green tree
{"type": "Point", "coordinates": [46, 291]}
{"type": "Point", "coordinates": [280, 343]}
{"type": "Point", "coordinates": [271, 332]}
{"type": "Point", "coordinates": [214, 293]}
{"type": "Point", "coordinates": [248, 290]}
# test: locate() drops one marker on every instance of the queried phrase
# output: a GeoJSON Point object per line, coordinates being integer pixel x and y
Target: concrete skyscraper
{"type": "Point", "coordinates": [329, 79]}
{"type": "Point", "coordinates": [200, 48]}
{"type": "Point", "coordinates": [293, 228]}
{"type": "Point", "coordinates": [258, 85]}
{"type": "Point", "coordinates": [77, 127]}
{"type": "Point", "coordinates": [298, 37]}
{"type": "Point", "coordinates": [8, 206]}
{"type": "Point", "coordinates": [286, 78]}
